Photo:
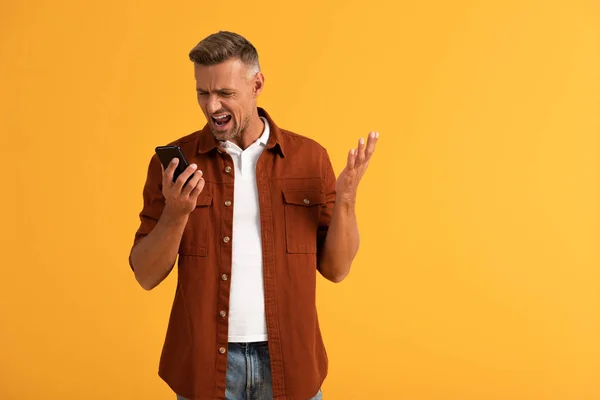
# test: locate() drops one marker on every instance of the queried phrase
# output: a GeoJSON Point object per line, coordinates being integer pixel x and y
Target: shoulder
{"type": "Point", "coordinates": [298, 143]}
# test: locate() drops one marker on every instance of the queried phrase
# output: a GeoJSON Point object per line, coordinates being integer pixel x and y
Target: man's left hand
{"type": "Point", "coordinates": [356, 166]}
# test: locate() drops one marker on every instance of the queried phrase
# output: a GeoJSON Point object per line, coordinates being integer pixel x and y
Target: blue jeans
{"type": "Point", "coordinates": [249, 373]}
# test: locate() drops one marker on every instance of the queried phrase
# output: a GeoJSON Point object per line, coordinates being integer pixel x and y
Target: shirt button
{"type": "Point", "coordinates": [228, 169]}
{"type": "Point", "coordinates": [224, 277]}
{"type": "Point", "coordinates": [222, 350]}
{"type": "Point", "coordinates": [223, 313]}
{"type": "Point", "coordinates": [227, 203]}
{"type": "Point", "coordinates": [306, 201]}
{"type": "Point", "coordinates": [226, 239]}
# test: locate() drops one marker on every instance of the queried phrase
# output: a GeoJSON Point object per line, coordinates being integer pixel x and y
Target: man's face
{"type": "Point", "coordinates": [227, 95]}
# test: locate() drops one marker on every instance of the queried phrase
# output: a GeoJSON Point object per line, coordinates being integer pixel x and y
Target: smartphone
{"type": "Point", "coordinates": [167, 153]}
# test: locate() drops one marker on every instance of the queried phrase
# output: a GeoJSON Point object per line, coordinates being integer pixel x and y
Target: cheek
{"type": "Point", "coordinates": [238, 107]}
{"type": "Point", "coordinates": [234, 108]}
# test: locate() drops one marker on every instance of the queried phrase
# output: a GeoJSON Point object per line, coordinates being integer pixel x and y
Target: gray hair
{"type": "Point", "coordinates": [222, 46]}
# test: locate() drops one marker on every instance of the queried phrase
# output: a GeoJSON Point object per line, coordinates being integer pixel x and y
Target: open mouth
{"type": "Point", "coordinates": [221, 121]}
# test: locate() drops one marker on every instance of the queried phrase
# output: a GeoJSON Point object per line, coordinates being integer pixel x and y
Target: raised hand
{"type": "Point", "coordinates": [180, 197]}
{"type": "Point", "coordinates": [356, 166]}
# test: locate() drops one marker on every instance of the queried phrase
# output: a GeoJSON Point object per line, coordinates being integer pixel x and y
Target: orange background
{"type": "Point", "coordinates": [479, 271]}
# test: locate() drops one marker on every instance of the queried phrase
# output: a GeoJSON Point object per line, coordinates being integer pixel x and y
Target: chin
{"type": "Point", "coordinates": [223, 136]}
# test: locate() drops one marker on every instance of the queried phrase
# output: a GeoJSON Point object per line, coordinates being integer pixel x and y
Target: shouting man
{"type": "Point", "coordinates": [252, 219]}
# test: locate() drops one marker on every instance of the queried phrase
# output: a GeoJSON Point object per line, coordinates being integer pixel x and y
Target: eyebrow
{"type": "Point", "coordinates": [217, 90]}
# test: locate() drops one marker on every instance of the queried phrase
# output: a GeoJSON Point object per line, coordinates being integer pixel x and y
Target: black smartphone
{"type": "Point", "coordinates": [167, 153]}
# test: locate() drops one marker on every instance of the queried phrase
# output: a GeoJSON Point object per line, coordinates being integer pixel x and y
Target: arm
{"type": "Point", "coordinates": [341, 243]}
{"type": "Point", "coordinates": [342, 239]}
{"type": "Point", "coordinates": [166, 211]}
{"type": "Point", "coordinates": [153, 257]}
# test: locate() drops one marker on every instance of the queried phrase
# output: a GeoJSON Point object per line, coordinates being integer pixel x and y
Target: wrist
{"type": "Point", "coordinates": [346, 203]}
{"type": "Point", "coordinates": [173, 218]}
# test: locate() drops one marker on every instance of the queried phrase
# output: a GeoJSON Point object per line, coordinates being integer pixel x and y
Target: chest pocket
{"type": "Point", "coordinates": [302, 209]}
{"type": "Point", "coordinates": [194, 241]}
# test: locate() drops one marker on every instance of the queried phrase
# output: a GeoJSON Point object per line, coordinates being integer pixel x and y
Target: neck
{"type": "Point", "coordinates": [252, 133]}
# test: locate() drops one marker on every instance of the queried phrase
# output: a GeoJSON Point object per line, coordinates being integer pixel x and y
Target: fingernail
{"type": "Point", "coordinates": [352, 151]}
{"type": "Point", "coordinates": [376, 135]}
{"type": "Point", "coordinates": [194, 166]}
{"type": "Point", "coordinates": [173, 161]}
{"type": "Point", "coordinates": [362, 141]}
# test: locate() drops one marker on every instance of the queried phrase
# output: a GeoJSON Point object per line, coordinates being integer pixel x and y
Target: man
{"type": "Point", "coordinates": [262, 212]}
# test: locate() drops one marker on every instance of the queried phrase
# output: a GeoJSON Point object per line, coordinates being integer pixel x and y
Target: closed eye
{"type": "Point", "coordinates": [220, 92]}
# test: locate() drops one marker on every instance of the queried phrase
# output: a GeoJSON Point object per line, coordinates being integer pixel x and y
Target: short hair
{"type": "Point", "coordinates": [223, 46]}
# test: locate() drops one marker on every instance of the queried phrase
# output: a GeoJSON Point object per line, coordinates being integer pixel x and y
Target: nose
{"type": "Point", "coordinates": [213, 105]}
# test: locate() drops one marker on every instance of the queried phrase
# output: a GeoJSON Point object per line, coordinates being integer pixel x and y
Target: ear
{"type": "Point", "coordinates": [258, 82]}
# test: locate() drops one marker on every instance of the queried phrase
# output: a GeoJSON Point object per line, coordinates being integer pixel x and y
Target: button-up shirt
{"type": "Point", "coordinates": [296, 193]}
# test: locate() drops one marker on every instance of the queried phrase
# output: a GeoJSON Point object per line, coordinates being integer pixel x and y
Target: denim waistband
{"type": "Point", "coordinates": [245, 345]}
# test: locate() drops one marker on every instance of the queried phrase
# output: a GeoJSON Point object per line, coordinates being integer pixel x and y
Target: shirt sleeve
{"type": "Point", "coordinates": [328, 180]}
{"type": "Point", "coordinates": [153, 202]}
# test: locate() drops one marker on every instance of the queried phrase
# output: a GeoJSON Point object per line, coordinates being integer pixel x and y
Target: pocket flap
{"type": "Point", "coordinates": [305, 198]}
{"type": "Point", "coordinates": [204, 200]}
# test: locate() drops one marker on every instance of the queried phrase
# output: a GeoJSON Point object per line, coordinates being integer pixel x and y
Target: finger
{"type": "Point", "coordinates": [183, 177]}
{"type": "Point", "coordinates": [197, 190]}
{"type": "Point", "coordinates": [191, 184]}
{"type": "Point", "coordinates": [351, 159]}
{"type": "Point", "coordinates": [168, 173]}
{"type": "Point", "coordinates": [371, 142]}
{"type": "Point", "coordinates": [360, 153]}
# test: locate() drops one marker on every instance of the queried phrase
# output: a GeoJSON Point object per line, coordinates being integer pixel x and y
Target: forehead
{"type": "Point", "coordinates": [230, 73]}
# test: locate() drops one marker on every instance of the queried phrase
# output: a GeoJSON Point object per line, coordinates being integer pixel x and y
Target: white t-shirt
{"type": "Point", "coordinates": [247, 321]}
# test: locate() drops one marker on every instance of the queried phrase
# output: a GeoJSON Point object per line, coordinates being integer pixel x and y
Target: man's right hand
{"type": "Point", "coordinates": [180, 200]}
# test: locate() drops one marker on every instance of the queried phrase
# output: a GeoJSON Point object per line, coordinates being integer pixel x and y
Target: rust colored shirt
{"type": "Point", "coordinates": [296, 192]}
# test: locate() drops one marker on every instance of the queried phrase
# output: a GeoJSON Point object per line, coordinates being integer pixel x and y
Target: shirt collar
{"type": "Point", "coordinates": [264, 138]}
{"type": "Point", "coordinates": [261, 141]}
